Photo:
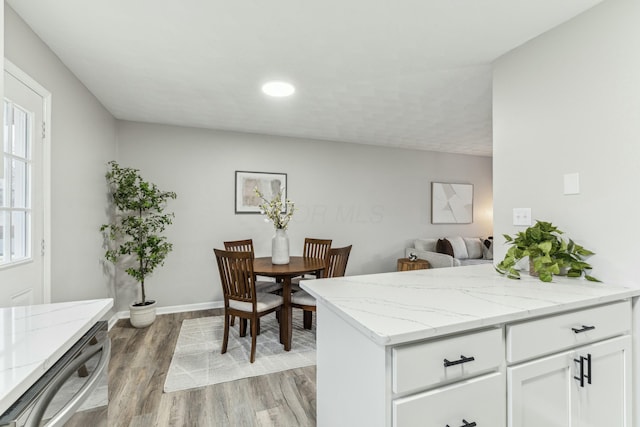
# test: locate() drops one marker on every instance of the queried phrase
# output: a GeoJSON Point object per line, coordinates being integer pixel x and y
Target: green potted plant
{"type": "Point", "coordinates": [548, 254]}
{"type": "Point", "coordinates": [134, 236]}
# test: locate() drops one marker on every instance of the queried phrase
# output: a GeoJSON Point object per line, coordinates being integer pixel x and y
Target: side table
{"type": "Point", "coordinates": [404, 264]}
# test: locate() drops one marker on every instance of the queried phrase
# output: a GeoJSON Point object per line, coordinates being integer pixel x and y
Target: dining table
{"type": "Point", "coordinates": [297, 266]}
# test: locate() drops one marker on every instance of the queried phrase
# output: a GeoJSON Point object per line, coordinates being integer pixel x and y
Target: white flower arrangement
{"type": "Point", "coordinates": [273, 209]}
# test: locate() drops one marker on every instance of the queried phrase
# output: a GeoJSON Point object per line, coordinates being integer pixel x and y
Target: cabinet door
{"type": "Point", "coordinates": [605, 401]}
{"type": "Point", "coordinates": [539, 392]}
{"type": "Point", "coordinates": [549, 391]}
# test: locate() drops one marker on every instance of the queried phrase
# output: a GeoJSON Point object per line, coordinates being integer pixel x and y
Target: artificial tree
{"type": "Point", "coordinates": [137, 224]}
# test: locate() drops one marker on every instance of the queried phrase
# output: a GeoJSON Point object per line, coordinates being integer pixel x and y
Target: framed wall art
{"type": "Point", "coordinates": [451, 203]}
{"type": "Point", "coordinates": [269, 184]}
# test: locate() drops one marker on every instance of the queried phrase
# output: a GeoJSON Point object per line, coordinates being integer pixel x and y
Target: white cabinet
{"type": "Point", "coordinates": [438, 362]}
{"type": "Point", "coordinates": [552, 334]}
{"type": "Point", "coordinates": [516, 373]}
{"type": "Point", "coordinates": [470, 402]}
{"type": "Point", "coordinates": [589, 386]}
{"type": "Point", "coordinates": [446, 381]}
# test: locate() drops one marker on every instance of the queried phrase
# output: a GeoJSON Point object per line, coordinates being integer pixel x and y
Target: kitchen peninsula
{"type": "Point", "coordinates": [465, 346]}
{"type": "Point", "coordinates": [34, 337]}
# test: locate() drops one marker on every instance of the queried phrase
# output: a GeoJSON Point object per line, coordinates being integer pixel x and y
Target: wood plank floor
{"type": "Point", "coordinates": [139, 363]}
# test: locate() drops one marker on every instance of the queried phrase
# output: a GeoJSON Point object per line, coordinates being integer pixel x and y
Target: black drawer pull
{"type": "Point", "coordinates": [467, 424]}
{"type": "Point", "coordinates": [459, 361]}
{"type": "Point", "coordinates": [583, 329]}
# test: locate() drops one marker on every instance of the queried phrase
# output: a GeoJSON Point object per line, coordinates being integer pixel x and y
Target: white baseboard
{"type": "Point", "coordinates": [171, 309]}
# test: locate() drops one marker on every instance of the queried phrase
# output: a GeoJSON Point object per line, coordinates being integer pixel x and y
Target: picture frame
{"type": "Point", "coordinates": [451, 203]}
{"type": "Point", "coordinates": [269, 184]}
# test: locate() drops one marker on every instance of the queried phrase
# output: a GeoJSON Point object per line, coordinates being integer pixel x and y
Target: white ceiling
{"type": "Point", "coordinates": [400, 73]}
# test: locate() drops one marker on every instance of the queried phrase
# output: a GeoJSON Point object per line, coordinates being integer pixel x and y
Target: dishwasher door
{"type": "Point", "coordinates": [75, 382]}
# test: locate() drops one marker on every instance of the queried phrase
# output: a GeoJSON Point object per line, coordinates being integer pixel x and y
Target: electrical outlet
{"type": "Point", "coordinates": [521, 216]}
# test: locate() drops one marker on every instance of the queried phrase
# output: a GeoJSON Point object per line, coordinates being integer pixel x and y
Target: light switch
{"type": "Point", "coordinates": [521, 216]}
{"type": "Point", "coordinates": [572, 183]}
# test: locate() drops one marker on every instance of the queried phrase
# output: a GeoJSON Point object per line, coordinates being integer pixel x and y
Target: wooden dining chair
{"type": "Point", "coordinates": [313, 248]}
{"type": "Point", "coordinates": [240, 296]}
{"type": "Point", "coordinates": [338, 258]}
{"type": "Point", "coordinates": [246, 245]}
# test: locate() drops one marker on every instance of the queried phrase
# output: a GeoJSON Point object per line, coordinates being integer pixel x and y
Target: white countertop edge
{"type": "Point", "coordinates": [427, 333]}
{"type": "Point", "coordinates": [39, 369]}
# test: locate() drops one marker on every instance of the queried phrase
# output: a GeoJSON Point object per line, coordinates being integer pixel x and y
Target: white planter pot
{"type": "Point", "coordinates": [142, 316]}
{"type": "Point", "coordinates": [280, 247]}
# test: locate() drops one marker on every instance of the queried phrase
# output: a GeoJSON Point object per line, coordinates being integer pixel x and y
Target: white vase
{"type": "Point", "coordinates": [280, 247]}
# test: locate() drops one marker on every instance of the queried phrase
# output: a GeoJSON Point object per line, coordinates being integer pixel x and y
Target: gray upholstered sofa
{"type": "Point", "coordinates": [453, 251]}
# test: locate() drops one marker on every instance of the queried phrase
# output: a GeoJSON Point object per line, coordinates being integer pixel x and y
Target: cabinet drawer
{"type": "Point", "coordinates": [480, 400]}
{"type": "Point", "coordinates": [555, 333]}
{"type": "Point", "coordinates": [419, 366]}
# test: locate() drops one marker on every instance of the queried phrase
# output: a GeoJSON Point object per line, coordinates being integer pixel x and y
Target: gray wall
{"type": "Point", "coordinates": [377, 199]}
{"type": "Point", "coordinates": [569, 101]}
{"type": "Point", "coordinates": [83, 140]}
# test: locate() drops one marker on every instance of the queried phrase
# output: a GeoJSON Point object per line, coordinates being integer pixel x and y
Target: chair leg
{"type": "Point", "coordinates": [225, 340]}
{"type": "Point", "coordinates": [233, 320]}
{"type": "Point", "coordinates": [306, 320]}
{"type": "Point", "coordinates": [254, 336]}
{"type": "Point", "coordinates": [258, 325]}
{"type": "Point", "coordinates": [243, 327]}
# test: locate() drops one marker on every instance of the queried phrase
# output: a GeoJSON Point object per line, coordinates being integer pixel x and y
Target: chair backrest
{"type": "Point", "coordinates": [338, 258]}
{"type": "Point", "coordinates": [239, 245]}
{"type": "Point", "coordinates": [236, 276]}
{"type": "Point", "coordinates": [317, 248]}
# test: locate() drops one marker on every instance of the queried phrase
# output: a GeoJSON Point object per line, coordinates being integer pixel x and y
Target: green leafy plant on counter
{"type": "Point", "coordinates": [549, 254]}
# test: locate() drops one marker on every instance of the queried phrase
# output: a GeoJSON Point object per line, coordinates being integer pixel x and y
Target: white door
{"type": "Point", "coordinates": [605, 400]}
{"type": "Point", "coordinates": [540, 392]}
{"type": "Point", "coordinates": [22, 206]}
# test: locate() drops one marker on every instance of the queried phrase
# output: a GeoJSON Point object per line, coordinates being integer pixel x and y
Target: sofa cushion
{"type": "Point", "coordinates": [487, 248]}
{"type": "Point", "coordinates": [426, 244]}
{"type": "Point", "coordinates": [443, 246]}
{"type": "Point", "coordinates": [474, 247]}
{"type": "Point", "coordinates": [465, 262]}
{"type": "Point", "coordinates": [459, 248]}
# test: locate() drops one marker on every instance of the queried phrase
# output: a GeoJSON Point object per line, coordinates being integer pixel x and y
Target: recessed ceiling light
{"type": "Point", "coordinates": [278, 89]}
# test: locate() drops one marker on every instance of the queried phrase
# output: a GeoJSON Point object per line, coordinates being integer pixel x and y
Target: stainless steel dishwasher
{"type": "Point", "coordinates": [63, 389]}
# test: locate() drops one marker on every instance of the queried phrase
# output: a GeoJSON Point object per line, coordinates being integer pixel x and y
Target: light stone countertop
{"type": "Point", "coordinates": [34, 337]}
{"type": "Point", "coordinates": [395, 308]}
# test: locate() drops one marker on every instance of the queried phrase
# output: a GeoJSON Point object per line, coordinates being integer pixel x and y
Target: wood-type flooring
{"type": "Point", "coordinates": [138, 367]}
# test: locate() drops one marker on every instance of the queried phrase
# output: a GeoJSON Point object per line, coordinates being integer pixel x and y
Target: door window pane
{"type": "Point", "coordinates": [20, 133]}
{"type": "Point", "coordinates": [20, 235]}
{"type": "Point", "coordinates": [3, 226]}
{"type": "Point", "coordinates": [4, 203]}
{"type": "Point", "coordinates": [19, 184]}
{"type": "Point", "coordinates": [15, 186]}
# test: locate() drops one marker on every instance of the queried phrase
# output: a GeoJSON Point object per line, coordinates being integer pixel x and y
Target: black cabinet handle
{"type": "Point", "coordinates": [582, 376]}
{"type": "Point", "coordinates": [588, 376]}
{"type": "Point", "coordinates": [460, 361]}
{"type": "Point", "coordinates": [466, 424]}
{"type": "Point", "coordinates": [583, 329]}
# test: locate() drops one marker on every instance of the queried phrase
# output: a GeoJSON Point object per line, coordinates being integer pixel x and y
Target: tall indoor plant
{"type": "Point", "coordinates": [548, 254]}
{"type": "Point", "coordinates": [134, 236]}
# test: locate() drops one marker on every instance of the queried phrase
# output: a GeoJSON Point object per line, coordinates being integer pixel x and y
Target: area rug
{"type": "Point", "coordinates": [197, 361]}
